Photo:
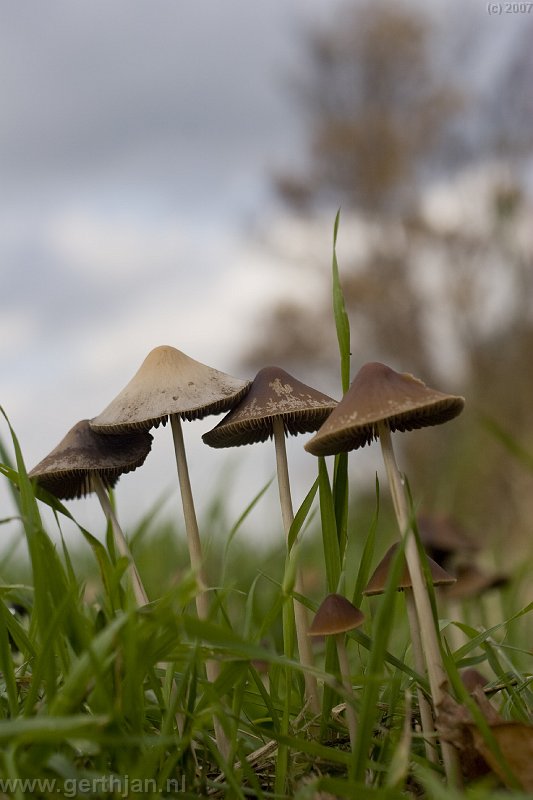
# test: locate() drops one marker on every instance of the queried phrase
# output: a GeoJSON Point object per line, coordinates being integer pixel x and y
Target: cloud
{"type": "Point", "coordinates": [110, 250]}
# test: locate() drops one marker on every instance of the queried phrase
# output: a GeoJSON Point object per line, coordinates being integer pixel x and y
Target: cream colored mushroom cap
{"type": "Point", "coordinates": [379, 394]}
{"type": "Point", "coordinates": [169, 382]}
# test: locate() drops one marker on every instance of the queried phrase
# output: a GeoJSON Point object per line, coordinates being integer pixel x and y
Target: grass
{"type": "Point", "coordinates": [101, 699]}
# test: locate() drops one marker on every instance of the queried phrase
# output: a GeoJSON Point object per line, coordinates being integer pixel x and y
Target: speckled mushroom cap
{"type": "Point", "coordinates": [67, 469]}
{"type": "Point", "coordinates": [169, 382]}
{"type": "Point", "coordinates": [378, 581]}
{"type": "Point", "coordinates": [273, 393]}
{"type": "Point", "coordinates": [379, 394]}
{"type": "Point", "coordinates": [335, 615]}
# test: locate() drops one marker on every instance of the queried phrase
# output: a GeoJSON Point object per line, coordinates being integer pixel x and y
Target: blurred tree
{"type": "Point", "coordinates": [437, 282]}
{"type": "Point", "coordinates": [377, 109]}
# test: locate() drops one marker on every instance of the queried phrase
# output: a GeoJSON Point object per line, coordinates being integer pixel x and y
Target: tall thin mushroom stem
{"type": "Point", "coordinates": [428, 635]}
{"type": "Point", "coordinates": [120, 540]}
{"type": "Point", "coordinates": [426, 716]}
{"type": "Point", "coordinates": [300, 612]}
{"type": "Point", "coordinates": [212, 668]}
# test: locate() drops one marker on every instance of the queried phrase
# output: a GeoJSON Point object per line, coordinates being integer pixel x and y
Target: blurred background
{"type": "Point", "coordinates": [170, 175]}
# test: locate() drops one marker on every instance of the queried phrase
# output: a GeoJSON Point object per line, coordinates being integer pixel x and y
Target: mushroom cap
{"type": "Point", "coordinates": [472, 679]}
{"type": "Point", "coordinates": [444, 537]}
{"type": "Point", "coordinates": [169, 382]}
{"type": "Point", "coordinates": [273, 393]}
{"type": "Point", "coordinates": [335, 615]}
{"type": "Point", "coordinates": [379, 394]}
{"type": "Point", "coordinates": [378, 581]}
{"type": "Point", "coordinates": [67, 469]}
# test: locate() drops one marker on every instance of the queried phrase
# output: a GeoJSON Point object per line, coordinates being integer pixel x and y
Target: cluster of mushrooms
{"type": "Point", "coordinates": [171, 385]}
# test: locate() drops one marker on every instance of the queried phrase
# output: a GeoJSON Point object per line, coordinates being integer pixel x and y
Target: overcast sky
{"type": "Point", "coordinates": [136, 145]}
{"type": "Point", "coordinates": [137, 141]}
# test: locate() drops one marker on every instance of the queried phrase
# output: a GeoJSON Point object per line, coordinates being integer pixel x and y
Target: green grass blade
{"type": "Point", "coordinates": [330, 542]}
{"type": "Point", "coordinates": [341, 317]}
{"type": "Point", "coordinates": [511, 444]}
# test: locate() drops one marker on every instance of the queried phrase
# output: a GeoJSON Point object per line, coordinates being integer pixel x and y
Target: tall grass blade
{"type": "Point", "coordinates": [341, 317]}
{"type": "Point", "coordinates": [511, 444]}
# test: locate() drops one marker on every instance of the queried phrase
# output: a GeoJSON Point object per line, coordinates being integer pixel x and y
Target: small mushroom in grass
{"type": "Point", "coordinates": [379, 401]}
{"type": "Point", "coordinates": [84, 462]}
{"type": "Point", "coordinates": [335, 617]}
{"type": "Point", "coordinates": [378, 580]}
{"type": "Point", "coordinates": [444, 538]}
{"type": "Point", "coordinates": [275, 405]}
{"type": "Point", "coordinates": [472, 679]}
{"type": "Point", "coordinates": [377, 585]}
{"type": "Point", "coordinates": [170, 384]}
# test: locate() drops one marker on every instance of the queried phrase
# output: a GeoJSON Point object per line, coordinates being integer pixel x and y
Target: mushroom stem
{"type": "Point", "coordinates": [300, 612]}
{"type": "Point", "coordinates": [212, 668]}
{"type": "Point", "coordinates": [344, 665]}
{"type": "Point", "coordinates": [428, 634]}
{"type": "Point", "coordinates": [120, 540]}
{"type": "Point", "coordinates": [189, 515]}
{"type": "Point", "coordinates": [426, 716]}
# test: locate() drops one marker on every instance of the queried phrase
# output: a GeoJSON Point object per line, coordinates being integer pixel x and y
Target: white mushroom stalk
{"type": "Point", "coordinates": [170, 384]}
{"type": "Point", "coordinates": [438, 679]}
{"type": "Point", "coordinates": [381, 400]}
{"type": "Point", "coordinates": [276, 404]}
{"type": "Point", "coordinates": [300, 612]}
{"type": "Point", "coordinates": [120, 541]}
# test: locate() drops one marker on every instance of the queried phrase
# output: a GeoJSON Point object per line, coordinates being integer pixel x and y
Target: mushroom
{"type": "Point", "coordinates": [444, 538]}
{"type": "Point", "coordinates": [377, 585]}
{"type": "Point", "coordinates": [275, 405]}
{"type": "Point", "coordinates": [335, 617]}
{"type": "Point", "coordinates": [378, 580]}
{"type": "Point", "coordinates": [381, 400]}
{"type": "Point", "coordinates": [473, 679]}
{"type": "Point", "coordinates": [170, 384]}
{"type": "Point", "coordinates": [85, 461]}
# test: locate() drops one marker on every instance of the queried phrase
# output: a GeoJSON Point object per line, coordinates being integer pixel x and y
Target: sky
{"type": "Point", "coordinates": [137, 145]}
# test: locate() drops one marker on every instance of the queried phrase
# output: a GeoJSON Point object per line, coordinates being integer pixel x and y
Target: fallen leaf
{"type": "Point", "coordinates": [514, 740]}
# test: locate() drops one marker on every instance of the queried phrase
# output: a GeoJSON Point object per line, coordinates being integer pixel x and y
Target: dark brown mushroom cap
{"type": "Point", "coordinates": [335, 615]}
{"type": "Point", "coordinates": [67, 469]}
{"type": "Point", "coordinates": [472, 679]}
{"type": "Point", "coordinates": [273, 393]}
{"type": "Point", "coordinates": [378, 581]}
{"type": "Point", "coordinates": [444, 537]}
{"type": "Point", "coordinates": [379, 394]}
{"type": "Point", "coordinates": [169, 382]}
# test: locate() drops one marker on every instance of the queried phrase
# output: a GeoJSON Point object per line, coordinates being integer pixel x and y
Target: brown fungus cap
{"type": "Point", "coordinates": [378, 582]}
{"type": "Point", "coordinates": [273, 393]}
{"type": "Point", "coordinates": [335, 615]}
{"type": "Point", "coordinates": [67, 469]}
{"type": "Point", "coordinates": [379, 394]}
{"type": "Point", "coordinates": [444, 537]}
{"type": "Point", "coordinates": [169, 382]}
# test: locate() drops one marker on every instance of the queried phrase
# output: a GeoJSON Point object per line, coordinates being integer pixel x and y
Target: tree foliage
{"type": "Point", "coordinates": [428, 169]}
